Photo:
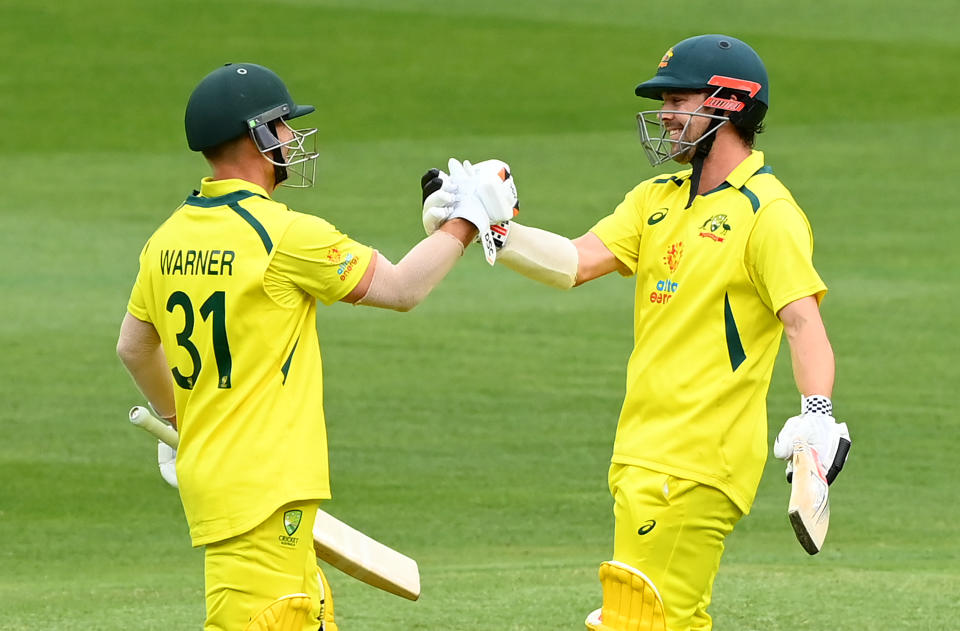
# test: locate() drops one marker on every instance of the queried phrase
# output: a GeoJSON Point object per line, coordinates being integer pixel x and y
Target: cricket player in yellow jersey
{"type": "Point", "coordinates": [221, 338]}
{"type": "Point", "coordinates": [722, 256]}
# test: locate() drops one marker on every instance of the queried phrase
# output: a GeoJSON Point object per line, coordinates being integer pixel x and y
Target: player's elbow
{"type": "Point", "coordinates": [124, 349]}
{"type": "Point", "coordinates": [394, 296]}
{"type": "Point", "coordinates": [137, 340]}
{"type": "Point", "coordinates": [406, 301]}
{"type": "Point", "coordinates": [127, 351]}
{"type": "Point", "coordinates": [404, 307]}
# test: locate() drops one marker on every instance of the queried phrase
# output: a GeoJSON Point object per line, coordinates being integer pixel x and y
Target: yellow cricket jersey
{"type": "Point", "coordinates": [231, 281]}
{"type": "Point", "coordinates": [710, 280]}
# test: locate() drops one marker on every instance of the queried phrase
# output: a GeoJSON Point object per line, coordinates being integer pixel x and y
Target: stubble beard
{"type": "Point", "coordinates": [691, 133]}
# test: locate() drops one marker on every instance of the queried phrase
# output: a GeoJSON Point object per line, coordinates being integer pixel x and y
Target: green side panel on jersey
{"type": "Point", "coordinates": [734, 346]}
{"type": "Point", "coordinates": [286, 365]}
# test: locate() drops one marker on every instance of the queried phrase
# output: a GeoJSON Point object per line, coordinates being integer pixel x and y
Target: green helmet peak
{"type": "Point", "coordinates": [232, 100]}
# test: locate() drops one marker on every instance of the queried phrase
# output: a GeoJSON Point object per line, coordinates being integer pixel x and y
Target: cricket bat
{"type": "Point", "coordinates": [334, 542]}
{"type": "Point", "coordinates": [809, 508]}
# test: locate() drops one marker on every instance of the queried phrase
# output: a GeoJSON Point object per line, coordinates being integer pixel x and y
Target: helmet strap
{"type": "Point", "coordinates": [702, 151]}
{"type": "Point", "coordinates": [279, 172]}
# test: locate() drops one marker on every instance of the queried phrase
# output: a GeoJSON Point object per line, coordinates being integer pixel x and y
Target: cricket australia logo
{"type": "Point", "coordinates": [717, 227]}
{"type": "Point", "coordinates": [291, 521]}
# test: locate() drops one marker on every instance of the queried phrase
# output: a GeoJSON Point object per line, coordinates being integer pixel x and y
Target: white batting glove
{"type": "Point", "coordinates": [439, 197]}
{"type": "Point", "coordinates": [497, 189]}
{"type": "Point", "coordinates": [481, 195]}
{"type": "Point", "coordinates": [448, 197]}
{"type": "Point", "coordinates": [167, 460]}
{"type": "Point", "coordinates": [501, 194]}
{"type": "Point", "coordinates": [829, 440]}
{"type": "Point", "coordinates": [490, 182]}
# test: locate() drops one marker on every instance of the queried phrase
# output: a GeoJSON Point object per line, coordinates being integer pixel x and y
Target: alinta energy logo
{"type": "Point", "coordinates": [349, 262]}
{"type": "Point", "coordinates": [666, 288]}
{"type": "Point", "coordinates": [291, 522]}
{"type": "Point", "coordinates": [717, 227]}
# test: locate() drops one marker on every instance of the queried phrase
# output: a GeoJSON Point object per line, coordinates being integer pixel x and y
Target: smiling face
{"type": "Point", "coordinates": [681, 125]}
{"type": "Point", "coordinates": [673, 131]}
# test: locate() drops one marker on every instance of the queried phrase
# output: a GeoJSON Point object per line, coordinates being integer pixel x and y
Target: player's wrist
{"type": "Point", "coordinates": [170, 417]}
{"type": "Point", "coordinates": [463, 230]}
{"type": "Point", "coordinates": [816, 404]}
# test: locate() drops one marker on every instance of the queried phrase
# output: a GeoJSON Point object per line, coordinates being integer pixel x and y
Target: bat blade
{"type": "Point", "coordinates": [340, 545]}
{"type": "Point", "coordinates": [809, 508]}
{"type": "Point", "coordinates": [364, 558]}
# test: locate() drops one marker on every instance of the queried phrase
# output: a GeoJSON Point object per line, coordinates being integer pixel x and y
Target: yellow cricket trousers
{"type": "Point", "coordinates": [246, 573]}
{"type": "Point", "coordinates": [672, 530]}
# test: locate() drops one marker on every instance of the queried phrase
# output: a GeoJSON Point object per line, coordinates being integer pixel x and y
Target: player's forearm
{"type": "Point", "coordinates": [810, 351]}
{"type": "Point", "coordinates": [403, 286]}
{"type": "Point", "coordinates": [141, 353]}
{"type": "Point", "coordinates": [542, 256]}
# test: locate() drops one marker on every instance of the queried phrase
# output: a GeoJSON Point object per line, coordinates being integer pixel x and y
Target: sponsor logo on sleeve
{"type": "Point", "coordinates": [346, 266]}
{"type": "Point", "coordinates": [344, 262]}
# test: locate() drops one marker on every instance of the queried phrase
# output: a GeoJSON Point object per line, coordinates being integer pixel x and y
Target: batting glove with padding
{"type": "Point", "coordinates": [483, 194]}
{"type": "Point", "coordinates": [496, 189]}
{"type": "Point", "coordinates": [439, 196]}
{"type": "Point", "coordinates": [829, 440]}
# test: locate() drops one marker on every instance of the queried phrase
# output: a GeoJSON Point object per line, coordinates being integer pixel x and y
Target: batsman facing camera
{"type": "Point", "coordinates": [724, 67]}
{"type": "Point", "coordinates": [722, 259]}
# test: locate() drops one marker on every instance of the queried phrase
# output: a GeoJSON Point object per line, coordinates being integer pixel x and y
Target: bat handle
{"type": "Point", "coordinates": [141, 417]}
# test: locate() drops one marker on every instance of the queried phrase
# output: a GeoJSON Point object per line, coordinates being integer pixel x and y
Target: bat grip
{"type": "Point", "coordinates": [142, 418]}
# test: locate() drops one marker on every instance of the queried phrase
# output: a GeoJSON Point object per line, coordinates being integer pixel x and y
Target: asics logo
{"type": "Point", "coordinates": [646, 527]}
{"type": "Point", "coordinates": [657, 217]}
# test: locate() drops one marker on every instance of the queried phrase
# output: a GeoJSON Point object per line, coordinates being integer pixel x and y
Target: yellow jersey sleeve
{"type": "Point", "coordinates": [137, 305]}
{"type": "Point", "coordinates": [779, 256]}
{"type": "Point", "coordinates": [314, 257]}
{"type": "Point", "coordinates": [621, 231]}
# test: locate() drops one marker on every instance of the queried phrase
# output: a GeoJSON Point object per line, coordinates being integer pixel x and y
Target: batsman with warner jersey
{"type": "Point", "coordinates": [722, 256]}
{"type": "Point", "coordinates": [221, 337]}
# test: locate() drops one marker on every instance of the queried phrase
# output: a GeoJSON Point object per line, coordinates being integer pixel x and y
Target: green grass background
{"type": "Point", "coordinates": [475, 432]}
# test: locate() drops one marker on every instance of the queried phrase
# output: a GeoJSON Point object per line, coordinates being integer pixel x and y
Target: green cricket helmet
{"type": "Point", "coordinates": [726, 67]}
{"type": "Point", "coordinates": [243, 98]}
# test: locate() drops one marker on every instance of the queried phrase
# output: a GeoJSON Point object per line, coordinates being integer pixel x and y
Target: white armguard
{"type": "Point", "coordinates": [404, 285]}
{"type": "Point", "coordinates": [543, 256]}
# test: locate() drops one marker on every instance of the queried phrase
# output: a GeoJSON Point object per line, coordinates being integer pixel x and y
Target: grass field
{"type": "Point", "coordinates": [475, 432]}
